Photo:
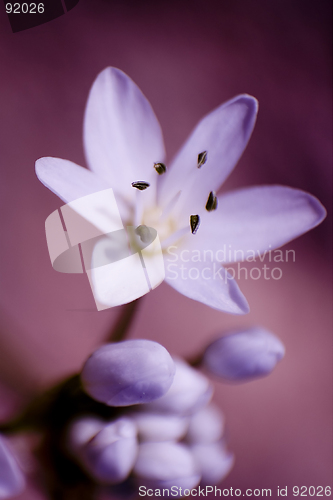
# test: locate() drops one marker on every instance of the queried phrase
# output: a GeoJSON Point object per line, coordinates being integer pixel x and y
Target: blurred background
{"type": "Point", "coordinates": [187, 57]}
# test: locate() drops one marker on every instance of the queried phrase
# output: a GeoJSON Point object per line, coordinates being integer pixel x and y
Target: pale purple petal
{"type": "Point", "coordinates": [128, 373]}
{"type": "Point", "coordinates": [11, 478]}
{"type": "Point", "coordinates": [207, 282]}
{"type": "Point", "coordinates": [243, 355]}
{"type": "Point", "coordinates": [68, 180]}
{"type": "Point", "coordinates": [190, 390]}
{"type": "Point", "coordinates": [205, 426]}
{"type": "Point", "coordinates": [122, 136]}
{"type": "Point", "coordinates": [224, 134]}
{"type": "Point", "coordinates": [214, 462]}
{"type": "Point", "coordinates": [254, 220]}
{"type": "Point", "coordinates": [163, 465]}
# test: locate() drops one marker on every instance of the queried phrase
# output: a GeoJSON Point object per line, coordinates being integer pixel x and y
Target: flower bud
{"type": "Point", "coordinates": [12, 481]}
{"type": "Point", "coordinates": [214, 462]}
{"type": "Point", "coordinates": [189, 391]}
{"type": "Point", "coordinates": [205, 426]}
{"type": "Point", "coordinates": [163, 465]}
{"type": "Point", "coordinates": [109, 455]}
{"type": "Point", "coordinates": [244, 355]}
{"type": "Point", "coordinates": [159, 427]}
{"type": "Point", "coordinates": [128, 373]}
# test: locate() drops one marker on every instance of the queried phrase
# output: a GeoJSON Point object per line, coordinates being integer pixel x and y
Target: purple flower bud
{"type": "Point", "coordinates": [12, 481]}
{"type": "Point", "coordinates": [214, 462]}
{"type": "Point", "coordinates": [158, 427]}
{"type": "Point", "coordinates": [109, 455]}
{"type": "Point", "coordinates": [189, 391]}
{"type": "Point", "coordinates": [128, 373]}
{"type": "Point", "coordinates": [163, 465]}
{"type": "Point", "coordinates": [205, 426]}
{"type": "Point", "coordinates": [83, 430]}
{"type": "Point", "coordinates": [244, 355]}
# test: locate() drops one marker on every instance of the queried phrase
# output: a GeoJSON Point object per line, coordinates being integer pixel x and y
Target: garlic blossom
{"type": "Point", "coordinates": [124, 150]}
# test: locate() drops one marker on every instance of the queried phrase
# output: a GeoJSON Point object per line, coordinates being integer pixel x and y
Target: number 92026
{"type": "Point", "coordinates": [24, 8]}
{"type": "Point", "coordinates": [311, 491]}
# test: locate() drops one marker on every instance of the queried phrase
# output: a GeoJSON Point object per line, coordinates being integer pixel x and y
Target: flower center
{"type": "Point", "coordinates": [165, 226]}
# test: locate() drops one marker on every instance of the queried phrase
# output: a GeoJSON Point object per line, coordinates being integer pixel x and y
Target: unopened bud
{"type": "Point", "coordinates": [128, 373]}
{"type": "Point", "coordinates": [244, 355]}
{"type": "Point", "coordinates": [109, 455]}
{"type": "Point", "coordinates": [189, 391]}
{"type": "Point", "coordinates": [163, 465]}
{"type": "Point", "coordinates": [160, 427]}
{"type": "Point", "coordinates": [12, 481]}
{"type": "Point", "coordinates": [214, 462]}
{"type": "Point", "coordinates": [205, 426]}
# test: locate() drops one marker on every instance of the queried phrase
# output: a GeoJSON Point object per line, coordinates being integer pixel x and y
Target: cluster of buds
{"type": "Point", "coordinates": [168, 433]}
{"type": "Point", "coordinates": [138, 418]}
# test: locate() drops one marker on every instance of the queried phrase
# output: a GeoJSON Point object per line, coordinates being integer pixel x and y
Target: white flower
{"type": "Point", "coordinates": [123, 141]}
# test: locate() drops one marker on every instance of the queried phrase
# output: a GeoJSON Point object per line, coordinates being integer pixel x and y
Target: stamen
{"type": "Point", "coordinates": [211, 202]}
{"type": "Point", "coordinates": [141, 185]}
{"type": "Point", "coordinates": [194, 223]}
{"type": "Point", "coordinates": [160, 168]}
{"type": "Point", "coordinates": [202, 158]}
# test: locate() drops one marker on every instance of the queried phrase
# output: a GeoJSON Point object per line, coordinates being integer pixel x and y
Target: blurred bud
{"type": "Point", "coordinates": [189, 391]}
{"type": "Point", "coordinates": [214, 462]}
{"type": "Point", "coordinates": [244, 355]}
{"type": "Point", "coordinates": [205, 426]}
{"type": "Point", "coordinates": [128, 373]}
{"type": "Point", "coordinates": [109, 454]}
{"type": "Point", "coordinates": [83, 430]}
{"type": "Point", "coordinates": [12, 481]}
{"type": "Point", "coordinates": [158, 427]}
{"type": "Point", "coordinates": [163, 465]}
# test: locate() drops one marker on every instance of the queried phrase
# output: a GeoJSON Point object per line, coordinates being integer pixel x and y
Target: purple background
{"type": "Point", "coordinates": [187, 57]}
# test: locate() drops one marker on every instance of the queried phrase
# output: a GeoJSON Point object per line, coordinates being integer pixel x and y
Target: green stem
{"type": "Point", "coordinates": [124, 321]}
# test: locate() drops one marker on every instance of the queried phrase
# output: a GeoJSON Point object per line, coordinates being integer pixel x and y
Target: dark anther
{"type": "Point", "coordinates": [194, 223]}
{"type": "Point", "coordinates": [211, 202]}
{"type": "Point", "coordinates": [140, 185]}
{"type": "Point", "coordinates": [160, 168]}
{"type": "Point", "coordinates": [202, 158]}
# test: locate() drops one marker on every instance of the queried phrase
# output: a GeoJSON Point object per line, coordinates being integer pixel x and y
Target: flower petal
{"type": "Point", "coordinates": [68, 180]}
{"type": "Point", "coordinates": [206, 282]}
{"type": "Point", "coordinates": [122, 136]}
{"type": "Point", "coordinates": [255, 220]}
{"type": "Point", "coordinates": [224, 134]}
